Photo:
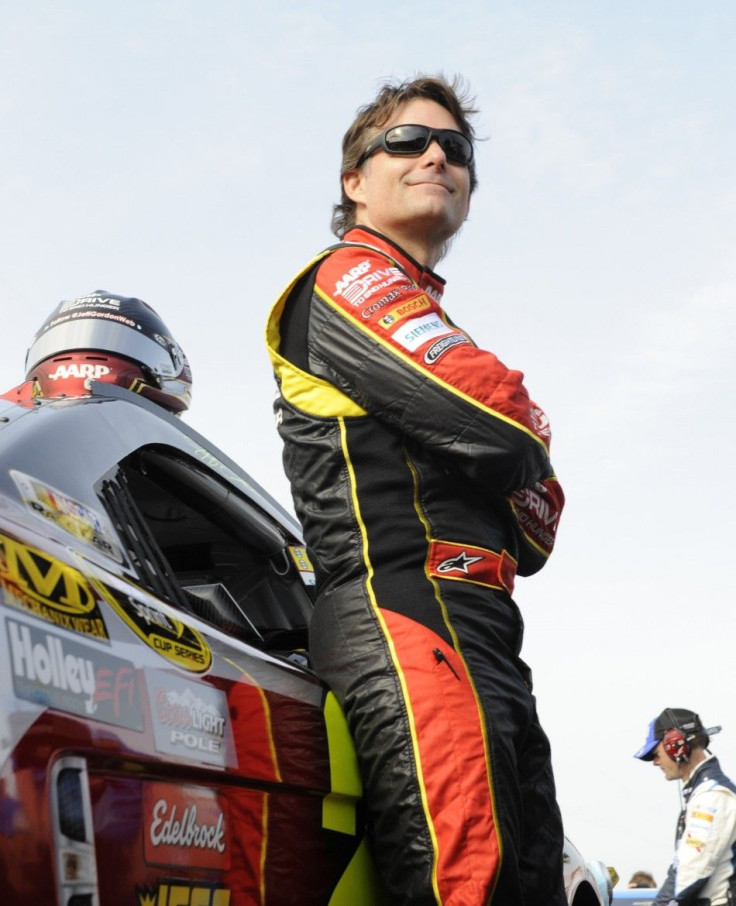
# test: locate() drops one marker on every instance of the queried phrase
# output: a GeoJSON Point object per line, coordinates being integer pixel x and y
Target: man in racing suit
{"type": "Point", "coordinates": [703, 871]}
{"type": "Point", "coordinates": [420, 472]}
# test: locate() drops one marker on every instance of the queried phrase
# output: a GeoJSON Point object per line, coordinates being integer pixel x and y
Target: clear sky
{"type": "Point", "coordinates": [187, 152]}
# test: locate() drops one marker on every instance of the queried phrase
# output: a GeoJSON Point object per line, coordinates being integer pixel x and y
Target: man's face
{"type": "Point", "coordinates": [423, 197]}
{"type": "Point", "coordinates": [671, 769]}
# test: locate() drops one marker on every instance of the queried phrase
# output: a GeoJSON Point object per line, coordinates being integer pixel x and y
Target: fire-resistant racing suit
{"type": "Point", "coordinates": [421, 475]}
{"type": "Point", "coordinates": [704, 867]}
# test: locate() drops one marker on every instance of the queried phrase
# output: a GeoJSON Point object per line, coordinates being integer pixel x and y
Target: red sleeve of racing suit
{"type": "Point", "coordinates": [401, 358]}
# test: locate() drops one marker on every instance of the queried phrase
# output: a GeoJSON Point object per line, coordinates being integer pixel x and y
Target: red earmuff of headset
{"type": "Point", "coordinates": [676, 746]}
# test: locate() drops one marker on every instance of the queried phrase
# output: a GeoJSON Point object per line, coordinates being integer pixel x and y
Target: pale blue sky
{"type": "Point", "coordinates": [187, 152]}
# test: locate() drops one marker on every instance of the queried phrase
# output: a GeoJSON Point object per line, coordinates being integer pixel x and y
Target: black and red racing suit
{"type": "Point", "coordinates": [420, 472]}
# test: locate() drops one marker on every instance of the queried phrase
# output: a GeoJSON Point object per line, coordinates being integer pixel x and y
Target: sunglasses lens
{"type": "Point", "coordinates": [457, 147]}
{"type": "Point", "coordinates": [407, 139]}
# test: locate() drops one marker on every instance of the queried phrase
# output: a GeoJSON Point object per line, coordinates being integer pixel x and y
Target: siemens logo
{"type": "Point", "coordinates": [418, 331]}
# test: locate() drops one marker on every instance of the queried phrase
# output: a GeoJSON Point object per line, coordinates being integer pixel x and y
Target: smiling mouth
{"type": "Point", "coordinates": [431, 182]}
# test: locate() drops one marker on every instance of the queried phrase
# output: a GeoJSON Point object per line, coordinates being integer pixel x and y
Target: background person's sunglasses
{"type": "Point", "coordinates": [411, 138]}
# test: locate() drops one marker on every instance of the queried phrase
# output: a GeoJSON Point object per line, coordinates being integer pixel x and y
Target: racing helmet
{"type": "Point", "coordinates": [109, 338]}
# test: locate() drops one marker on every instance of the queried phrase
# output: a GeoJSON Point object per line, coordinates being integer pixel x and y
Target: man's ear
{"type": "Point", "coordinates": [352, 183]}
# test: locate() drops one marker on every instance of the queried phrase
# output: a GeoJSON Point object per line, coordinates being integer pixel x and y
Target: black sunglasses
{"type": "Point", "coordinates": [410, 138]}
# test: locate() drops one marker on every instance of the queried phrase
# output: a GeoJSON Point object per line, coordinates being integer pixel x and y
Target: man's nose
{"type": "Point", "coordinates": [434, 150]}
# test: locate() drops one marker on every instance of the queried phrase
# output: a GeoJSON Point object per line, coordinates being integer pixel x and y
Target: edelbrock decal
{"type": "Point", "coordinates": [185, 825]}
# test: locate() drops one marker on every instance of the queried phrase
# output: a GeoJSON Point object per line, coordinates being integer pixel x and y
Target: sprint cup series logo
{"type": "Point", "coordinates": [172, 639]}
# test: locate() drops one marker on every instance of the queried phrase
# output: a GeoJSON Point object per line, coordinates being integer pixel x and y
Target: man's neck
{"type": "Point", "coordinates": [392, 243]}
{"type": "Point", "coordinates": [426, 248]}
{"type": "Point", "coordinates": [697, 757]}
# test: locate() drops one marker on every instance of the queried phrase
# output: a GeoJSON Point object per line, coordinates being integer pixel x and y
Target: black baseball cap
{"type": "Point", "coordinates": [688, 722]}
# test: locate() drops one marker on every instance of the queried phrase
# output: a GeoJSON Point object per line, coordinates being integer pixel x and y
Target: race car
{"type": "Point", "coordinates": [163, 740]}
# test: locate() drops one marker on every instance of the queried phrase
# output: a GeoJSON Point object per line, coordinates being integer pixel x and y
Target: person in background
{"type": "Point", "coordinates": [641, 880]}
{"type": "Point", "coordinates": [703, 870]}
{"type": "Point", "coordinates": [420, 471]}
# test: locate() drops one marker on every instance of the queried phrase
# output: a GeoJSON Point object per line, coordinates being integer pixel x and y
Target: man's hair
{"type": "Point", "coordinates": [370, 119]}
{"type": "Point", "coordinates": [642, 879]}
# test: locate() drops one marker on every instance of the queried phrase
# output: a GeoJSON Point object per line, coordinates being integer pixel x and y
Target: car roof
{"type": "Point", "coordinates": [51, 439]}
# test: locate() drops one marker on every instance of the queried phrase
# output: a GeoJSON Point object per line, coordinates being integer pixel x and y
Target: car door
{"type": "Point", "coordinates": [168, 744]}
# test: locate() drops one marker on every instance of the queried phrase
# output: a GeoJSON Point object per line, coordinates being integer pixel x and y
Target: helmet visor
{"type": "Point", "coordinates": [104, 334]}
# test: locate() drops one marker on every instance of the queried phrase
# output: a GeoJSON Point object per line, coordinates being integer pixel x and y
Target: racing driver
{"type": "Point", "coordinates": [420, 471]}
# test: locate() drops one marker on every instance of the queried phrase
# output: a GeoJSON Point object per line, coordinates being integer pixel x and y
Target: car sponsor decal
{"type": "Point", "coordinates": [58, 672]}
{"type": "Point", "coordinates": [303, 563]}
{"type": "Point", "coordinates": [416, 332]}
{"type": "Point", "coordinates": [179, 892]}
{"type": "Point", "coordinates": [411, 307]}
{"type": "Point", "coordinates": [438, 349]}
{"type": "Point", "coordinates": [79, 520]}
{"type": "Point", "coordinates": [191, 721]}
{"type": "Point", "coordinates": [34, 582]}
{"type": "Point", "coordinates": [185, 826]}
{"type": "Point", "coordinates": [176, 641]}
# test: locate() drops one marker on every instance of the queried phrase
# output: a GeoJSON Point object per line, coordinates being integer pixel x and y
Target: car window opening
{"type": "Point", "coordinates": [203, 548]}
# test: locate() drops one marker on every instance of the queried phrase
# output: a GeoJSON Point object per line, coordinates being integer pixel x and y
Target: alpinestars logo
{"type": "Point", "coordinates": [457, 564]}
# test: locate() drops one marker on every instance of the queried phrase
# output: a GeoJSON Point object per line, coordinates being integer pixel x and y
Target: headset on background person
{"type": "Point", "coordinates": [677, 740]}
